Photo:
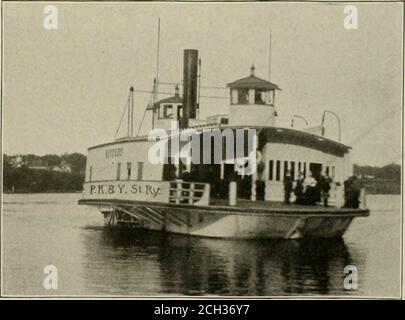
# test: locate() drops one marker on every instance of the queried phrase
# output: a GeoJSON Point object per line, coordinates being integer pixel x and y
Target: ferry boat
{"type": "Point", "coordinates": [219, 192]}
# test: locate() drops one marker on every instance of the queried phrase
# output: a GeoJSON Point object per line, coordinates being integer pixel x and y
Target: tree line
{"type": "Point", "coordinates": [380, 180]}
{"type": "Point", "coordinates": [48, 173]}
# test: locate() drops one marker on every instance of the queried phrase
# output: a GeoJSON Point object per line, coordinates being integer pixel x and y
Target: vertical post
{"type": "Point", "coordinates": [178, 192]}
{"type": "Point", "coordinates": [339, 197]}
{"type": "Point", "coordinates": [232, 193]}
{"type": "Point", "coordinates": [363, 202]}
{"type": "Point", "coordinates": [254, 168]}
{"type": "Point", "coordinates": [191, 193]}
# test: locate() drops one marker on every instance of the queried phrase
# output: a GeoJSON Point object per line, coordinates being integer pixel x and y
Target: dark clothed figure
{"type": "Point", "coordinates": [299, 191]}
{"type": "Point", "coordinates": [347, 184]}
{"type": "Point", "coordinates": [325, 182]}
{"type": "Point", "coordinates": [352, 188]}
{"type": "Point", "coordinates": [288, 187]}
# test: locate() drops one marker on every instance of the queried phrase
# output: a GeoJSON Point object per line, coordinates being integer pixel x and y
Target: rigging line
{"type": "Point", "coordinates": [373, 126]}
{"type": "Point", "coordinates": [214, 97]}
{"type": "Point", "coordinates": [140, 125]}
{"type": "Point", "coordinates": [202, 86]}
{"type": "Point", "coordinates": [170, 83]}
{"type": "Point", "coordinates": [144, 114]}
{"type": "Point", "coordinates": [170, 93]}
{"type": "Point", "coordinates": [122, 117]}
{"type": "Point", "coordinates": [214, 87]}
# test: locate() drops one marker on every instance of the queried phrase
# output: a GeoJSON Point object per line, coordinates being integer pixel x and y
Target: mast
{"type": "Point", "coordinates": [155, 92]}
{"type": "Point", "coordinates": [129, 116]}
{"type": "Point", "coordinates": [269, 54]}
{"type": "Point", "coordinates": [132, 110]}
{"type": "Point", "coordinates": [157, 62]}
{"type": "Point", "coordinates": [199, 90]}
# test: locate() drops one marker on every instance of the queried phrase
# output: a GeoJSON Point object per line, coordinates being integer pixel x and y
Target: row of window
{"type": "Point", "coordinates": [129, 171]}
{"type": "Point", "coordinates": [275, 169]}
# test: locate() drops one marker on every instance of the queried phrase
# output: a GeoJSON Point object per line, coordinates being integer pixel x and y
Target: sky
{"type": "Point", "coordinates": [64, 90]}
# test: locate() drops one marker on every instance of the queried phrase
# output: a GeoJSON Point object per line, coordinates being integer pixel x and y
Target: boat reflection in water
{"type": "Point", "coordinates": [152, 263]}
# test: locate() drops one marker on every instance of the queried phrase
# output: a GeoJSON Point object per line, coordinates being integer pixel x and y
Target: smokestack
{"type": "Point", "coordinates": [190, 75]}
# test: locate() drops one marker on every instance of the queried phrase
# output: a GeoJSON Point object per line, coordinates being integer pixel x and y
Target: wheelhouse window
{"type": "Point", "coordinates": [243, 96]}
{"type": "Point", "coordinates": [168, 111]}
{"type": "Point", "coordinates": [260, 96]}
{"type": "Point", "coordinates": [118, 170]}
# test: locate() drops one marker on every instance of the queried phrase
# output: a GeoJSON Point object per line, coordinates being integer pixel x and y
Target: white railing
{"type": "Point", "coordinates": [195, 193]}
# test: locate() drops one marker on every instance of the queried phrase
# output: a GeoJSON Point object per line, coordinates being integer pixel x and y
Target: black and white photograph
{"type": "Point", "coordinates": [202, 149]}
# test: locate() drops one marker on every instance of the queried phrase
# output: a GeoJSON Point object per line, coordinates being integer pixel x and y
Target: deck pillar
{"type": "Point", "coordinates": [232, 193]}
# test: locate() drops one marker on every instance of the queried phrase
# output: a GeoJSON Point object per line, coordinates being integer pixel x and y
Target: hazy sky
{"type": "Point", "coordinates": [65, 89]}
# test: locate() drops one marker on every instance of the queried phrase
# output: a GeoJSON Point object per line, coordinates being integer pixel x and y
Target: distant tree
{"type": "Point", "coordinates": [77, 162]}
{"type": "Point", "coordinates": [52, 160]}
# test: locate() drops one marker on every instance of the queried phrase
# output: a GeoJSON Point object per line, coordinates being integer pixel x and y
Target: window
{"type": "Point", "coordinates": [167, 111]}
{"type": "Point", "coordinates": [260, 96]}
{"type": "Point", "coordinates": [333, 172]}
{"type": "Point", "coordinates": [90, 173]}
{"type": "Point", "coordinates": [118, 170]}
{"type": "Point", "coordinates": [271, 164]}
{"type": "Point", "coordinates": [140, 171]}
{"type": "Point", "coordinates": [179, 112]}
{"type": "Point", "coordinates": [292, 170]}
{"type": "Point", "coordinates": [243, 96]}
{"type": "Point", "coordinates": [285, 168]}
{"type": "Point", "coordinates": [299, 168]}
{"type": "Point", "coordinates": [327, 170]}
{"type": "Point", "coordinates": [305, 170]}
{"type": "Point", "coordinates": [278, 168]}
{"type": "Point", "coordinates": [129, 168]}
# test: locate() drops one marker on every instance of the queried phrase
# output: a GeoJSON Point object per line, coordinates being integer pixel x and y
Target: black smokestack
{"type": "Point", "coordinates": [190, 75]}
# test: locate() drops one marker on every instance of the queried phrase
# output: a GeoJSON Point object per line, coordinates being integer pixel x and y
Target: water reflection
{"type": "Point", "coordinates": [144, 262]}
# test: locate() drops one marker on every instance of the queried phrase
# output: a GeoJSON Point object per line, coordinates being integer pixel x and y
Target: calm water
{"type": "Point", "coordinates": [51, 229]}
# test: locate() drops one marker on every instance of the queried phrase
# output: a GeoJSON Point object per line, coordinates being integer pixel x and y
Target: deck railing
{"type": "Point", "coordinates": [195, 193]}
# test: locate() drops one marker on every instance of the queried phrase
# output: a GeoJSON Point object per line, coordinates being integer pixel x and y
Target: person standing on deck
{"type": "Point", "coordinates": [299, 189]}
{"type": "Point", "coordinates": [325, 182]}
{"type": "Point", "coordinates": [310, 194]}
{"type": "Point", "coordinates": [288, 187]}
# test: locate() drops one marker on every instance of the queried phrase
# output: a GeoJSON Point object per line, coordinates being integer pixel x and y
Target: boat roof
{"type": "Point", "coordinates": [173, 99]}
{"type": "Point", "coordinates": [303, 139]}
{"type": "Point", "coordinates": [270, 135]}
{"type": "Point", "coordinates": [253, 82]}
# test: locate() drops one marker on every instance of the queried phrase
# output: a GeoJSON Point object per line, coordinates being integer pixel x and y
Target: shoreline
{"type": "Point", "coordinates": [42, 192]}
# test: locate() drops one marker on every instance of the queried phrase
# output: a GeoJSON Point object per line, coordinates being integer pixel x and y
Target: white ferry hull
{"type": "Point", "coordinates": [218, 222]}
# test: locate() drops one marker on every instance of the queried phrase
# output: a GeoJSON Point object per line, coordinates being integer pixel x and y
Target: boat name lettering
{"type": "Point", "coordinates": [112, 153]}
{"type": "Point", "coordinates": [134, 188]}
